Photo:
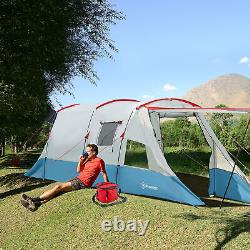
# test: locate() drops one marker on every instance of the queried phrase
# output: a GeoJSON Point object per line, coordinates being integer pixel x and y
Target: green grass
{"type": "Point", "coordinates": [72, 221]}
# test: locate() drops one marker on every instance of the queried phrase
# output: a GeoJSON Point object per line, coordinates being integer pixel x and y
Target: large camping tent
{"type": "Point", "coordinates": [111, 124]}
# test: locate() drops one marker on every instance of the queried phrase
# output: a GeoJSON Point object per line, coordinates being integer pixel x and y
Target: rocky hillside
{"type": "Point", "coordinates": [232, 90]}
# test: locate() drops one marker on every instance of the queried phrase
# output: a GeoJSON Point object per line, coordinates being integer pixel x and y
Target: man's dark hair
{"type": "Point", "coordinates": [93, 148]}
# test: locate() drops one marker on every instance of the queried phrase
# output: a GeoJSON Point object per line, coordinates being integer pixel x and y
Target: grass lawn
{"type": "Point", "coordinates": [72, 221]}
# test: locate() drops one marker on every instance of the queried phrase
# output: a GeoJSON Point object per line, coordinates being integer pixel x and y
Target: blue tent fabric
{"type": "Point", "coordinates": [239, 189]}
{"type": "Point", "coordinates": [131, 180]}
{"type": "Point", "coordinates": [56, 170]}
{"type": "Point", "coordinates": [146, 182]}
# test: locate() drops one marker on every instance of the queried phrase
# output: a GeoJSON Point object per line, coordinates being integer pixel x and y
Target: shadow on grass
{"type": "Point", "coordinates": [233, 228]}
{"type": "Point", "coordinates": [197, 184]}
{"type": "Point", "coordinates": [18, 183]}
{"type": "Point", "coordinates": [22, 190]}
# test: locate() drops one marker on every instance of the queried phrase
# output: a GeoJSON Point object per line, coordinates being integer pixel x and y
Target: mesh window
{"type": "Point", "coordinates": [107, 133]}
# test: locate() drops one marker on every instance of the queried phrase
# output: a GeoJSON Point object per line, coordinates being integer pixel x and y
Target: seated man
{"type": "Point", "coordinates": [89, 167]}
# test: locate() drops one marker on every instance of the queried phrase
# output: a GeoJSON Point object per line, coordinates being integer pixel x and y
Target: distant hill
{"type": "Point", "coordinates": [232, 90]}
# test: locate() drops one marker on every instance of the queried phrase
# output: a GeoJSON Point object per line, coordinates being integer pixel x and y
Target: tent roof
{"type": "Point", "coordinates": [148, 104]}
{"type": "Point", "coordinates": [173, 106]}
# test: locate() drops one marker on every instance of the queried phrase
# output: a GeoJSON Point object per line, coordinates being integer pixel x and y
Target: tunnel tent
{"type": "Point", "coordinates": [111, 124]}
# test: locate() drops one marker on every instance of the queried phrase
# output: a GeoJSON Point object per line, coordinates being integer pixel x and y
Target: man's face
{"type": "Point", "coordinates": [90, 151]}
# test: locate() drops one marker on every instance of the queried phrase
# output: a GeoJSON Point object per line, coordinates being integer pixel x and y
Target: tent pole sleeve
{"type": "Point", "coordinates": [119, 153]}
{"type": "Point", "coordinates": [85, 139]}
{"type": "Point", "coordinates": [45, 161]}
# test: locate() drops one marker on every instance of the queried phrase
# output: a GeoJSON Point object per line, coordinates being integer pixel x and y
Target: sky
{"type": "Point", "coordinates": [168, 47]}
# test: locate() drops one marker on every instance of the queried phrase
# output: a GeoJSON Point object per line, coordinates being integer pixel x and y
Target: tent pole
{"type": "Point", "coordinates": [120, 148]}
{"type": "Point", "coordinates": [86, 136]}
{"type": "Point", "coordinates": [236, 160]}
{"type": "Point", "coordinates": [45, 161]}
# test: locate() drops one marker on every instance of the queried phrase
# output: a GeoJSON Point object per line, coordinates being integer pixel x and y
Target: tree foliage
{"type": "Point", "coordinates": [53, 40]}
{"type": "Point", "coordinates": [182, 133]}
{"type": "Point", "coordinates": [229, 129]}
{"type": "Point", "coordinates": [43, 44]}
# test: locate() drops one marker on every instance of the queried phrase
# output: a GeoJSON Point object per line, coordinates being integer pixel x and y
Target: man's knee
{"type": "Point", "coordinates": [58, 187]}
{"type": "Point", "coordinates": [66, 186]}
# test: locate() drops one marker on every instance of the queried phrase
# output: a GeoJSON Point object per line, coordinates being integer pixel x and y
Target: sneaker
{"type": "Point", "coordinates": [27, 202]}
{"type": "Point", "coordinates": [31, 205]}
{"type": "Point", "coordinates": [25, 197]}
{"type": "Point", "coordinates": [24, 202]}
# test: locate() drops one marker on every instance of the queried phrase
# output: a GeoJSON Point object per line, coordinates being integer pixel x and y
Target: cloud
{"type": "Point", "coordinates": [169, 87]}
{"type": "Point", "coordinates": [244, 59]}
{"type": "Point", "coordinates": [148, 97]}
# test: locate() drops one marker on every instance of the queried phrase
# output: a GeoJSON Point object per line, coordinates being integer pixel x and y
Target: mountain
{"type": "Point", "coordinates": [232, 90]}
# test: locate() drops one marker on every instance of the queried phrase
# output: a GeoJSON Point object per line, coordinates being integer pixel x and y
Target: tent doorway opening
{"type": "Point", "coordinates": [187, 152]}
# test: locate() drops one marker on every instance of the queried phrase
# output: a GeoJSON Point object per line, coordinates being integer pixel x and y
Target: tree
{"type": "Point", "coordinates": [53, 40]}
{"type": "Point", "coordinates": [237, 133]}
{"type": "Point", "coordinates": [43, 44]}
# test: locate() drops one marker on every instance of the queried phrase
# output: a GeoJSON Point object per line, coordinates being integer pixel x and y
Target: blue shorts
{"type": "Point", "coordinates": [77, 184]}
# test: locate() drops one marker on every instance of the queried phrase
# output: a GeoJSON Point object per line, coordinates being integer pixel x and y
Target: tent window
{"type": "Point", "coordinates": [107, 134]}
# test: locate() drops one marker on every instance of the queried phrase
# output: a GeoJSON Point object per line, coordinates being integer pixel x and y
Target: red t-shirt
{"type": "Point", "coordinates": [90, 171]}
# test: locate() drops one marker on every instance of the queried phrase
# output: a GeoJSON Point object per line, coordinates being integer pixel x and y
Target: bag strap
{"type": "Point", "coordinates": [122, 200]}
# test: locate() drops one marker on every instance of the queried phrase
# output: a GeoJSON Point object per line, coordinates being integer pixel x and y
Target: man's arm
{"type": "Point", "coordinates": [104, 173]}
{"type": "Point", "coordinates": [79, 169]}
{"type": "Point", "coordinates": [105, 176]}
{"type": "Point", "coordinates": [78, 166]}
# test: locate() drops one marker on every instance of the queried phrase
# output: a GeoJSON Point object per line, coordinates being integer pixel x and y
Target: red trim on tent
{"type": "Point", "coordinates": [168, 99]}
{"type": "Point", "coordinates": [116, 100]}
{"type": "Point", "coordinates": [122, 135]}
{"type": "Point", "coordinates": [192, 109]}
{"type": "Point", "coordinates": [66, 107]}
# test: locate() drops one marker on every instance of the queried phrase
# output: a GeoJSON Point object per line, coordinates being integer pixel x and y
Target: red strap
{"type": "Point", "coordinates": [122, 135]}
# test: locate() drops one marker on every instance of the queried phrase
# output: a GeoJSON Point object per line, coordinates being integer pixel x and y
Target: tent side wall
{"type": "Point", "coordinates": [221, 166]}
{"type": "Point", "coordinates": [61, 153]}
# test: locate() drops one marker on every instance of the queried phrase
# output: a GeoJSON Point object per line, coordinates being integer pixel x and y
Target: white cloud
{"type": "Point", "coordinates": [169, 87]}
{"type": "Point", "coordinates": [244, 59]}
{"type": "Point", "coordinates": [248, 65]}
{"type": "Point", "coordinates": [148, 97]}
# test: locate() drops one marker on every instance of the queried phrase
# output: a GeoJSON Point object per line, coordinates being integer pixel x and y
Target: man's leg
{"type": "Point", "coordinates": [52, 193]}
{"type": "Point", "coordinates": [33, 203]}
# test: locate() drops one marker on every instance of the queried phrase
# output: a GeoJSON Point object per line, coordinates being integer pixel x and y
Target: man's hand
{"type": "Point", "coordinates": [84, 159]}
{"type": "Point", "coordinates": [81, 158]}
